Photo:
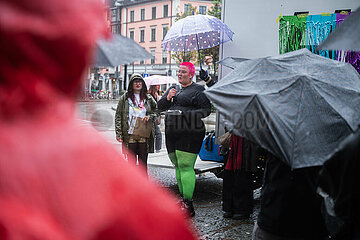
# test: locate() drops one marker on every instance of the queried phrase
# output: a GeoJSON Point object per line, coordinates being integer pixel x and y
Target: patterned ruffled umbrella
{"type": "Point", "coordinates": [196, 32]}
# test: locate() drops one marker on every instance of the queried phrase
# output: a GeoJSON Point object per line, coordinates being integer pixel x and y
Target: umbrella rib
{"type": "Point", "coordinates": [331, 85]}
{"type": "Point", "coordinates": [262, 104]}
{"type": "Point", "coordinates": [298, 116]}
{"type": "Point", "coordinates": [334, 109]}
{"type": "Point", "coordinates": [297, 120]}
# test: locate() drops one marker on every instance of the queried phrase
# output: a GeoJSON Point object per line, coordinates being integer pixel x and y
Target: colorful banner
{"type": "Point", "coordinates": [292, 33]}
{"type": "Point", "coordinates": [318, 27]}
{"type": "Point", "coordinates": [300, 32]}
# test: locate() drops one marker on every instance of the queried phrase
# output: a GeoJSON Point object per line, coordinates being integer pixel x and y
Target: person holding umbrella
{"type": "Point", "coordinates": [300, 118]}
{"type": "Point", "coordinates": [338, 185]}
{"type": "Point", "coordinates": [184, 129]}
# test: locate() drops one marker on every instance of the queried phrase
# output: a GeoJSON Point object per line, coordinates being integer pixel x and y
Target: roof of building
{"type": "Point", "coordinates": [125, 3]}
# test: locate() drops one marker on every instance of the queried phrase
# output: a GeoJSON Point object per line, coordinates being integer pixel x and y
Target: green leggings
{"type": "Point", "coordinates": [185, 175]}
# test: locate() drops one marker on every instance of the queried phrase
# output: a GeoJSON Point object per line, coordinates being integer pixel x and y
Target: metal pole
{"type": "Point", "coordinates": [169, 72]}
{"type": "Point", "coordinates": [117, 79]}
{"type": "Point", "coordinates": [125, 76]}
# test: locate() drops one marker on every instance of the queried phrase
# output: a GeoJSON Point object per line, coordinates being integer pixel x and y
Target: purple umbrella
{"type": "Point", "coordinates": [196, 32]}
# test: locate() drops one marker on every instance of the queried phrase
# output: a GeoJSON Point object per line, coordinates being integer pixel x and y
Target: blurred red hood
{"type": "Point", "coordinates": [45, 48]}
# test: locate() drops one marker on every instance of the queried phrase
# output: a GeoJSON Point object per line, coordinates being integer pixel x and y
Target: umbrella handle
{"type": "Point", "coordinates": [197, 42]}
{"type": "Point", "coordinates": [199, 59]}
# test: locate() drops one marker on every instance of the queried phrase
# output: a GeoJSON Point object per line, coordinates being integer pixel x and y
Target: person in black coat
{"type": "Point", "coordinates": [339, 185]}
{"type": "Point", "coordinates": [290, 208]}
{"type": "Point", "coordinates": [184, 129]}
{"type": "Point", "coordinates": [242, 174]}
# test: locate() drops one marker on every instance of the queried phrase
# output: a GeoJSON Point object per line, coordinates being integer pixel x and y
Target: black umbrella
{"type": "Point", "coordinates": [231, 62]}
{"type": "Point", "coordinates": [119, 50]}
{"type": "Point", "coordinates": [298, 105]}
{"type": "Point", "coordinates": [346, 36]}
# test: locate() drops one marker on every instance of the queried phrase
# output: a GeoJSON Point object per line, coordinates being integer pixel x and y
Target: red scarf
{"type": "Point", "coordinates": [235, 153]}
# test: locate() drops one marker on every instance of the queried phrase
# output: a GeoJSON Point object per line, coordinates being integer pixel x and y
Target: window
{"type": "Point", "coordinates": [187, 8]}
{"type": "Point", "coordinates": [152, 51]}
{"type": "Point", "coordinates": [113, 15]}
{"type": "Point", "coordinates": [142, 34]}
{"type": "Point", "coordinates": [131, 34]}
{"type": "Point", "coordinates": [153, 34]}
{"type": "Point", "coordinates": [132, 16]}
{"type": "Point", "coordinates": [164, 57]}
{"type": "Point", "coordinates": [153, 13]}
{"type": "Point", "coordinates": [142, 14]}
{"type": "Point", "coordinates": [202, 10]}
{"type": "Point", "coordinates": [113, 29]}
{"type": "Point", "coordinates": [166, 11]}
{"type": "Point", "coordinates": [165, 29]}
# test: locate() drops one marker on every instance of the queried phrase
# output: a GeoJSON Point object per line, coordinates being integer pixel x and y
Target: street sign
{"type": "Point", "coordinates": [145, 75]}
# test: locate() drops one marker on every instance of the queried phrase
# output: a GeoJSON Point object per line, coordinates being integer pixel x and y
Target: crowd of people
{"type": "Point", "coordinates": [184, 129]}
{"type": "Point", "coordinates": [291, 206]}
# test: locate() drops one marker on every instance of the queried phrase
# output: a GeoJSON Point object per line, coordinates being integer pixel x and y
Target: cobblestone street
{"type": "Point", "coordinates": [208, 220]}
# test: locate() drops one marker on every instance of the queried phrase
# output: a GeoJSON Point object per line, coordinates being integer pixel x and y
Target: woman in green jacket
{"type": "Point", "coordinates": [135, 103]}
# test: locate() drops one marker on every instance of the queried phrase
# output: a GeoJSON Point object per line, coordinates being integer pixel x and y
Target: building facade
{"type": "Point", "coordinates": [147, 22]}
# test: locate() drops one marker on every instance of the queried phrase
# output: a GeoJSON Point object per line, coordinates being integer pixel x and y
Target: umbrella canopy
{"type": "Point", "coordinates": [119, 50]}
{"type": "Point", "coordinates": [196, 32]}
{"type": "Point", "coordinates": [232, 62]}
{"type": "Point", "coordinates": [346, 36]}
{"type": "Point", "coordinates": [298, 105]}
{"type": "Point", "coordinates": [158, 80]}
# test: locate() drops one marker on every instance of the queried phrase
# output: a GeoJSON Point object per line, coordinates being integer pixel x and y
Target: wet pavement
{"type": "Point", "coordinates": [208, 220]}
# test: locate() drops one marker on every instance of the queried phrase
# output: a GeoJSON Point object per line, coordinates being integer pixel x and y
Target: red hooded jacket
{"type": "Point", "coordinates": [58, 178]}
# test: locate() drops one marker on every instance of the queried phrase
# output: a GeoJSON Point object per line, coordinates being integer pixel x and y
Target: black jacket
{"type": "Point", "coordinates": [290, 206]}
{"type": "Point", "coordinates": [340, 179]}
{"type": "Point", "coordinates": [191, 101]}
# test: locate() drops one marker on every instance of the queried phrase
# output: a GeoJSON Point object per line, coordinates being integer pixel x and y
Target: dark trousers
{"type": "Point", "coordinates": [139, 150]}
{"type": "Point", "coordinates": [237, 192]}
{"type": "Point", "coordinates": [158, 138]}
{"type": "Point", "coordinates": [185, 139]}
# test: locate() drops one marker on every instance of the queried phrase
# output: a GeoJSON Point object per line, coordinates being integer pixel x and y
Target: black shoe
{"type": "Point", "coordinates": [180, 203]}
{"type": "Point", "coordinates": [239, 216]}
{"type": "Point", "coordinates": [189, 207]}
{"type": "Point", "coordinates": [227, 215]}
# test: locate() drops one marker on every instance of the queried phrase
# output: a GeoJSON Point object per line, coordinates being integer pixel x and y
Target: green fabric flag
{"type": "Point", "coordinates": [292, 33]}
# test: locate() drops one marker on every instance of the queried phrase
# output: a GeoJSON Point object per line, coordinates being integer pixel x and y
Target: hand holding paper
{"type": "Point", "coordinates": [145, 119]}
{"type": "Point", "coordinates": [141, 128]}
